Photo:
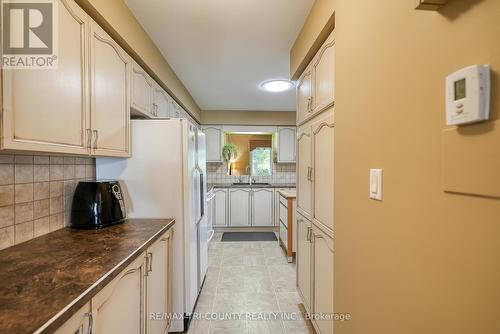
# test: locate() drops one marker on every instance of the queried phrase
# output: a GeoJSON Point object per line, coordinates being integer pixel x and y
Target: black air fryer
{"type": "Point", "coordinates": [97, 204]}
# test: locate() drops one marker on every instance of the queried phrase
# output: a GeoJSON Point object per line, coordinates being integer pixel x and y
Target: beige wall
{"type": "Point", "coordinates": [248, 117]}
{"type": "Point", "coordinates": [316, 29]}
{"type": "Point", "coordinates": [422, 260]}
{"type": "Point", "coordinates": [118, 20]}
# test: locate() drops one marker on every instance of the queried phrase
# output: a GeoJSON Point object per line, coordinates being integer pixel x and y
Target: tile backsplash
{"type": "Point", "coordinates": [36, 194]}
{"type": "Point", "coordinates": [282, 173]}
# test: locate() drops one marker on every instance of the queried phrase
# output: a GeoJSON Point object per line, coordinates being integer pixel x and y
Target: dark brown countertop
{"type": "Point", "coordinates": [61, 271]}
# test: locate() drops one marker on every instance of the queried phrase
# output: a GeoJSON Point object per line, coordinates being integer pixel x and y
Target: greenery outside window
{"type": "Point", "coordinates": [261, 158]}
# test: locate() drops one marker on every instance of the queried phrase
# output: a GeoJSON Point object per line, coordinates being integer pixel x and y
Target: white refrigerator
{"type": "Point", "coordinates": [166, 178]}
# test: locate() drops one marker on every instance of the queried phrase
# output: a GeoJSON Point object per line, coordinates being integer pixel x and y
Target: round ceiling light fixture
{"type": "Point", "coordinates": [276, 86]}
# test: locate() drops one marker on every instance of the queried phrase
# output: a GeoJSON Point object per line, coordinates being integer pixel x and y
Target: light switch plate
{"type": "Point", "coordinates": [376, 184]}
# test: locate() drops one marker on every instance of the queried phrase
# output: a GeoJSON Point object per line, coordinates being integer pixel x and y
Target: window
{"type": "Point", "coordinates": [261, 161]}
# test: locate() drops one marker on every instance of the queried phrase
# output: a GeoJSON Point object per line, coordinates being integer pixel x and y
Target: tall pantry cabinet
{"type": "Point", "coordinates": [315, 159]}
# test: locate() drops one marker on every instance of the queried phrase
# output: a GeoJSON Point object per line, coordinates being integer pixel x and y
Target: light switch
{"type": "Point", "coordinates": [376, 184]}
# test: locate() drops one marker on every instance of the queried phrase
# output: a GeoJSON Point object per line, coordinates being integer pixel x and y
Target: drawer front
{"type": "Point", "coordinates": [284, 214]}
{"type": "Point", "coordinates": [284, 234]}
{"type": "Point", "coordinates": [283, 200]}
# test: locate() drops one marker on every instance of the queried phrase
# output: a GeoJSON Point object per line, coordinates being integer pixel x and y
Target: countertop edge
{"type": "Point", "coordinates": [58, 320]}
{"type": "Point", "coordinates": [287, 195]}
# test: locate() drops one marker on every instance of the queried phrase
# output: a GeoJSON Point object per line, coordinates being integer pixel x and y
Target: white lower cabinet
{"type": "Point", "coordinates": [220, 207]}
{"type": "Point", "coordinates": [127, 303]}
{"type": "Point", "coordinates": [118, 307]}
{"type": "Point", "coordinates": [158, 286]}
{"type": "Point", "coordinates": [79, 323]}
{"type": "Point", "coordinates": [303, 257]}
{"type": "Point", "coordinates": [251, 207]}
{"type": "Point", "coordinates": [262, 207]}
{"type": "Point", "coordinates": [315, 256]}
{"type": "Point", "coordinates": [239, 207]}
{"type": "Point", "coordinates": [322, 263]}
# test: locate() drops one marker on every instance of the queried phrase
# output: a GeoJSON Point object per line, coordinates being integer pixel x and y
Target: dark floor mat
{"type": "Point", "coordinates": [249, 236]}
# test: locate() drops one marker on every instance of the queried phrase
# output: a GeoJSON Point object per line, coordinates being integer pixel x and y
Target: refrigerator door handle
{"type": "Point", "coordinates": [201, 188]}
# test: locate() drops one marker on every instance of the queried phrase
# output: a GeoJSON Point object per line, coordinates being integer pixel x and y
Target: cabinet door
{"type": "Point", "coordinates": [322, 176]}
{"type": "Point", "coordinates": [110, 87]}
{"type": "Point", "coordinates": [215, 141]}
{"type": "Point", "coordinates": [158, 284]}
{"type": "Point", "coordinates": [239, 207]}
{"type": "Point", "coordinates": [118, 308]}
{"type": "Point", "coordinates": [286, 144]}
{"type": "Point", "coordinates": [323, 68]}
{"type": "Point", "coordinates": [142, 92]}
{"type": "Point", "coordinates": [303, 258]}
{"type": "Point", "coordinates": [161, 102]}
{"type": "Point", "coordinates": [78, 323]}
{"type": "Point", "coordinates": [47, 109]}
{"type": "Point", "coordinates": [304, 92]}
{"type": "Point", "coordinates": [262, 207]}
{"type": "Point", "coordinates": [220, 207]}
{"type": "Point", "coordinates": [304, 170]}
{"type": "Point", "coordinates": [323, 279]}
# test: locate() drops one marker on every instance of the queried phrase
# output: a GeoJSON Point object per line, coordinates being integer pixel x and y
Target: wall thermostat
{"type": "Point", "coordinates": [468, 95]}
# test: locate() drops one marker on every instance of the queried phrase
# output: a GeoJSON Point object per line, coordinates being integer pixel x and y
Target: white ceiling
{"type": "Point", "coordinates": [223, 49]}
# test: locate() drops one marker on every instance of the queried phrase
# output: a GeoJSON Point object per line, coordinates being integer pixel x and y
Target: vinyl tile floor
{"type": "Point", "coordinates": [249, 289]}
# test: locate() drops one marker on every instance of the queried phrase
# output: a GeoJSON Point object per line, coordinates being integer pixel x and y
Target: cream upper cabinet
{"type": "Point", "coordinates": [158, 284]}
{"type": "Point", "coordinates": [286, 144]}
{"type": "Point", "coordinates": [262, 207]}
{"type": "Point", "coordinates": [323, 249]}
{"type": "Point", "coordinates": [303, 254]}
{"type": "Point", "coordinates": [162, 101]}
{"type": "Point", "coordinates": [304, 95]}
{"type": "Point", "coordinates": [322, 175]}
{"type": "Point", "coordinates": [214, 141]}
{"type": "Point", "coordinates": [118, 307]}
{"type": "Point", "coordinates": [304, 170]}
{"type": "Point", "coordinates": [47, 110]}
{"type": "Point", "coordinates": [110, 95]}
{"type": "Point", "coordinates": [79, 323]}
{"type": "Point", "coordinates": [220, 207]}
{"type": "Point", "coordinates": [323, 74]}
{"type": "Point", "coordinates": [239, 207]}
{"type": "Point", "coordinates": [142, 92]}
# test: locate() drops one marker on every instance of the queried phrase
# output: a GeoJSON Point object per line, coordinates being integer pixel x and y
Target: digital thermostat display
{"type": "Point", "coordinates": [460, 89]}
{"type": "Point", "coordinates": [468, 95]}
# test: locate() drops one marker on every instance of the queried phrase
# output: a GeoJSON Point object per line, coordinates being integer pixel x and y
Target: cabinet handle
{"type": "Point", "coordinates": [146, 272]}
{"type": "Point", "coordinates": [95, 139]}
{"type": "Point", "coordinates": [308, 237]}
{"type": "Point", "coordinates": [309, 173]}
{"type": "Point", "coordinates": [150, 264]}
{"type": "Point", "coordinates": [311, 104]}
{"type": "Point", "coordinates": [89, 137]}
{"type": "Point", "coordinates": [91, 322]}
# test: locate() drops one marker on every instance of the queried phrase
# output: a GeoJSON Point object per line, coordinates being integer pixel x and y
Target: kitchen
{"type": "Point", "coordinates": [132, 197]}
{"type": "Point", "coordinates": [194, 166]}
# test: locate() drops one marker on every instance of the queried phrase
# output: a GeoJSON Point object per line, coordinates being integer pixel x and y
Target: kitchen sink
{"type": "Point", "coordinates": [253, 184]}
